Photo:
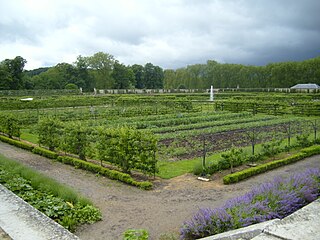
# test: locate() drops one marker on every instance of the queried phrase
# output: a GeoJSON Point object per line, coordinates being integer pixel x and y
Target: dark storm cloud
{"type": "Point", "coordinates": [169, 33]}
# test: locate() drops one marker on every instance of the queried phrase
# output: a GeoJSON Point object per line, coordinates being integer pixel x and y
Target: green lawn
{"type": "Point", "coordinates": [173, 169]}
{"type": "Point", "coordinates": [28, 136]}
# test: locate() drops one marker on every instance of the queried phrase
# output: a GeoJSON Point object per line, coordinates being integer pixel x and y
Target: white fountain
{"type": "Point", "coordinates": [211, 93]}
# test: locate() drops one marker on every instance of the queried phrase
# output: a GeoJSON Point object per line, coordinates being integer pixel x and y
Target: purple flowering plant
{"type": "Point", "coordinates": [276, 199]}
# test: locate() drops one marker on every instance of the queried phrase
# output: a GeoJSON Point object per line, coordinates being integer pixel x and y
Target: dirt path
{"type": "Point", "coordinates": [160, 211]}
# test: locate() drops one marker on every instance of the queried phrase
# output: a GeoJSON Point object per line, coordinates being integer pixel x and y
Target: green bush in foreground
{"type": "Point", "coordinates": [136, 234]}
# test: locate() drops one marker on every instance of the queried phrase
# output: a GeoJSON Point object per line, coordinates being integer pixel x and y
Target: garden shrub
{"type": "Point", "coordinates": [16, 143]}
{"type": "Point", "coordinates": [68, 214]}
{"type": "Point", "coordinates": [9, 124]}
{"type": "Point", "coordinates": [234, 157]}
{"type": "Point", "coordinates": [223, 164]}
{"type": "Point", "coordinates": [238, 176]}
{"type": "Point", "coordinates": [75, 139]}
{"type": "Point", "coordinates": [45, 152]}
{"type": "Point", "coordinates": [112, 174]}
{"type": "Point", "coordinates": [198, 169]}
{"type": "Point", "coordinates": [128, 148]}
{"type": "Point", "coordinates": [303, 140]}
{"type": "Point", "coordinates": [311, 150]}
{"type": "Point", "coordinates": [276, 199]}
{"type": "Point", "coordinates": [143, 185]}
{"type": "Point", "coordinates": [136, 234]}
{"type": "Point", "coordinates": [271, 148]}
{"type": "Point", "coordinates": [253, 158]}
{"type": "Point", "coordinates": [212, 167]}
{"type": "Point", "coordinates": [50, 132]}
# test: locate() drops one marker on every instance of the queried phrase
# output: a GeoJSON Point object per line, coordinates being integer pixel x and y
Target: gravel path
{"type": "Point", "coordinates": [160, 211]}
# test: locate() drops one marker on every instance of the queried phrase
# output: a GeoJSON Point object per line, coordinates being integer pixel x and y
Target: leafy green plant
{"type": "Point", "coordinates": [10, 125]}
{"type": "Point", "coordinates": [271, 148]}
{"type": "Point", "coordinates": [234, 157]}
{"type": "Point", "coordinates": [303, 140]}
{"type": "Point", "coordinates": [75, 139]}
{"type": "Point", "coordinates": [198, 169]}
{"type": "Point", "coordinates": [50, 131]}
{"type": "Point", "coordinates": [136, 234]}
{"type": "Point", "coordinates": [16, 143]}
{"type": "Point", "coordinates": [68, 214]}
{"type": "Point", "coordinates": [44, 152]}
{"type": "Point", "coordinates": [128, 148]}
{"type": "Point", "coordinates": [112, 174]}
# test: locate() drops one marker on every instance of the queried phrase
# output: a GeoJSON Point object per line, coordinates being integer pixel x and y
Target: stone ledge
{"type": "Point", "coordinates": [242, 233]}
{"type": "Point", "coordinates": [303, 224]}
{"type": "Point", "coordinates": [20, 220]}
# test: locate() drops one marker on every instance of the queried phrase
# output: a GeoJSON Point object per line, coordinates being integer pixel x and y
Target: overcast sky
{"type": "Point", "coordinates": [168, 33]}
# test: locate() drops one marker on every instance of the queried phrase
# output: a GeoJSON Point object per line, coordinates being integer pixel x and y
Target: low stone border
{"type": "Point", "coordinates": [242, 233]}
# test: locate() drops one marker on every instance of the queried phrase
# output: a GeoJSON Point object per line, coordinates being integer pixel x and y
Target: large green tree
{"type": "Point", "coordinates": [12, 72]}
{"type": "Point", "coordinates": [123, 76]}
{"type": "Point", "coordinates": [153, 76]}
{"type": "Point", "coordinates": [84, 79]}
{"type": "Point", "coordinates": [273, 75]}
{"type": "Point", "coordinates": [6, 80]}
{"type": "Point", "coordinates": [102, 65]}
{"type": "Point", "coordinates": [138, 71]}
{"type": "Point", "coordinates": [55, 78]}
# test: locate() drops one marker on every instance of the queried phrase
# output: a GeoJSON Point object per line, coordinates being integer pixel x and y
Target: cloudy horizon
{"type": "Point", "coordinates": [168, 33]}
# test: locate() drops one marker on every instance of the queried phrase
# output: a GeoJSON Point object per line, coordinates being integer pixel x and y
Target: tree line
{"type": "Point", "coordinates": [273, 75]}
{"type": "Point", "coordinates": [101, 71]}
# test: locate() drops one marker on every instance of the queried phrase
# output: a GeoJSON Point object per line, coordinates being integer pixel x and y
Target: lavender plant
{"type": "Point", "coordinates": [276, 199]}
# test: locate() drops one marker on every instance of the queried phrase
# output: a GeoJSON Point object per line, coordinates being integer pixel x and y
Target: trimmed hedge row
{"type": "Point", "coordinates": [238, 176]}
{"type": "Point", "coordinates": [16, 143]}
{"type": "Point", "coordinates": [45, 152]}
{"type": "Point", "coordinates": [112, 174]}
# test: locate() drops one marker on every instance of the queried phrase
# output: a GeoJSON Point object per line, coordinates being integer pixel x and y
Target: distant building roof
{"type": "Point", "coordinates": [306, 86]}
